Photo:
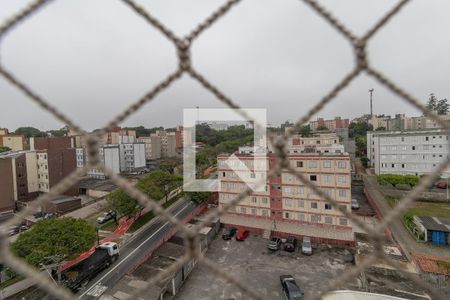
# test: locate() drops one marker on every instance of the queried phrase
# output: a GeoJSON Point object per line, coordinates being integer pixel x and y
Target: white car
{"type": "Point", "coordinates": [355, 204]}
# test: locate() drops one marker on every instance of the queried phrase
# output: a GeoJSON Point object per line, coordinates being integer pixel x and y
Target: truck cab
{"type": "Point", "coordinates": [112, 248]}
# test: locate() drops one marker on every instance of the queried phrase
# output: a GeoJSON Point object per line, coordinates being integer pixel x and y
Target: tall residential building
{"type": "Point", "coordinates": [19, 181]}
{"type": "Point", "coordinates": [152, 146]}
{"type": "Point", "coordinates": [56, 159]}
{"type": "Point", "coordinates": [168, 143]}
{"type": "Point", "coordinates": [414, 152]}
{"type": "Point", "coordinates": [288, 207]}
{"type": "Point", "coordinates": [120, 158]}
{"type": "Point", "coordinates": [330, 125]}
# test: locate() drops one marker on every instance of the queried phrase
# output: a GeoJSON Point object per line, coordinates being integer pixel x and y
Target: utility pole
{"type": "Point", "coordinates": [371, 106]}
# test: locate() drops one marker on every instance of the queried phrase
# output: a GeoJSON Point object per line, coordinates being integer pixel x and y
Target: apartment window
{"type": "Point", "coordinates": [224, 174]}
{"type": "Point", "coordinates": [243, 210]}
{"type": "Point", "coordinates": [254, 200]}
{"type": "Point", "coordinates": [414, 147]}
{"type": "Point", "coordinates": [264, 200]}
{"type": "Point", "coordinates": [393, 165]}
{"type": "Point", "coordinates": [343, 207]}
{"type": "Point", "coordinates": [313, 177]}
{"type": "Point", "coordinates": [288, 202]}
{"type": "Point", "coordinates": [314, 205]}
{"type": "Point", "coordinates": [46, 167]}
{"type": "Point", "coordinates": [403, 139]}
{"type": "Point", "coordinates": [403, 166]}
{"type": "Point", "coordinates": [328, 220]}
{"type": "Point", "coordinates": [300, 203]}
{"type": "Point", "coordinates": [342, 164]}
{"type": "Point", "coordinates": [312, 164]}
{"type": "Point", "coordinates": [299, 190]}
{"type": "Point", "coordinates": [341, 179]}
{"type": "Point", "coordinates": [327, 178]}
{"type": "Point", "coordinates": [265, 213]}
{"type": "Point", "coordinates": [299, 164]}
{"type": "Point", "coordinates": [254, 211]}
{"type": "Point", "coordinates": [252, 175]}
{"type": "Point", "coordinates": [327, 164]}
{"type": "Point", "coordinates": [301, 217]}
{"type": "Point", "coordinates": [286, 215]}
{"type": "Point", "coordinates": [315, 218]}
{"type": "Point", "coordinates": [343, 222]}
{"type": "Point", "coordinates": [328, 206]}
{"type": "Point", "coordinates": [232, 209]}
{"type": "Point", "coordinates": [427, 138]}
{"type": "Point", "coordinates": [287, 189]}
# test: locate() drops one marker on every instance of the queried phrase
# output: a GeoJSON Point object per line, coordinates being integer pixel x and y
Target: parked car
{"type": "Point", "coordinates": [106, 216]}
{"type": "Point", "coordinates": [228, 233]}
{"type": "Point", "coordinates": [441, 184]}
{"type": "Point", "coordinates": [306, 245]}
{"type": "Point", "coordinates": [291, 244]}
{"type": "Point", "coordinates": [242, 235]}
{"type": "Point", "coordinates": [355, 204]}
{"type": "Point", "coordinates": [290, 288]}
{"type": "Point", "coordinates": [17, 229]}
{"type": "Point", "coordinates": [274, 243]}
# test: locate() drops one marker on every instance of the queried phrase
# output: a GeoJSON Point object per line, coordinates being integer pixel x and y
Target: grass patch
{"type": "Point", "coordinates": [147, 217]}
{"type": "Point", "coordinates": [10, 281]}
{"type": "Point", "coordinates": [431, 209]}
{"type": "Point", "coordinates": [444, 265]}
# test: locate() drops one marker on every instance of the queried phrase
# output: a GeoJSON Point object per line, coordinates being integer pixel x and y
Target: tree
{"type": "Point", "coordinates": [66, 237]}
{"type": "Point", "coordinates": [197, 197]}
{"type": "Point", "coordinates": [4, 149]}
{"type": "Point", "coordinates": [441, 107]}
{"type": "Point", "coordinates": [305, 131]}
{"type": "Point", "coordinates": [159, 184]}
{"type": "Point", "coordinates": [121, 202]}
{"type": "Point", "coordinates": [380, 128]}
{"type": "Point", "coordinates": [432, 102]}
{"type": "Point", "coordinates": [359, 128]}
{"type": "Point", "coordinates": [30, 132]}
{"type": "Point", "coordinates": [322, 128]}
{"type": "Point", "coordinates": [361, 145]}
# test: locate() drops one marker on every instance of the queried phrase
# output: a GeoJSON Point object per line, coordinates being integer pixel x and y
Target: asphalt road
{"type": "Point", "coordinates": [136, 249]}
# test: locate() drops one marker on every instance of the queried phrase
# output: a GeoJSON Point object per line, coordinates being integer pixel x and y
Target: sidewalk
{"type": "Point", "coordinates": [401, 234]}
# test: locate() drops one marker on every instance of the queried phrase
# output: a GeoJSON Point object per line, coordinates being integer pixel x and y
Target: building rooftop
{"type": "Point", "coordinates": [434, 223]}
{"type": "Point", "coordinates": [409, 132]}
{"type": "Point", "coordinates": [105, 185]}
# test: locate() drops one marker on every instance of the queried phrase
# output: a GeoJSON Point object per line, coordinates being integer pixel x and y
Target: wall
{"type": "Point", "coordinates": [6, 186]}
{"type": "Point", "coordinates": [31, 161]}
{"type": "Point", "coordinates": [14, 142]}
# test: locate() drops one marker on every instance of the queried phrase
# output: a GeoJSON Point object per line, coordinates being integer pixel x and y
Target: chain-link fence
{"type": "Point", "coordinates": [183, 46]}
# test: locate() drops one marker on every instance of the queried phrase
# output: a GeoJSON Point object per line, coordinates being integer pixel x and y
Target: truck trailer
{"type": "Point", "coordinates": [79, 275]}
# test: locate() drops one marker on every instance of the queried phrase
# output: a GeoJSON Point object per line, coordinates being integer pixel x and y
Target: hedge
{"type": "Point", "coordinates": [396, 179]}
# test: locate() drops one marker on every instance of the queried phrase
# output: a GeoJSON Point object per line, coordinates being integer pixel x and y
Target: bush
{"type": "Point", "coordinates": [364, 162]}
{"type": "Point", "coordinates": [395, 179]}
{"type": "Point", "coordinates": [403, 186]}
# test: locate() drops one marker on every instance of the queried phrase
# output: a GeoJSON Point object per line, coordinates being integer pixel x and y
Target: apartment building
{"type": "Point", "coordinates": [413, 152]}
{"type": "Point", "coordinates": [287, 206]}
{"type": "Point", "coordinates": [330, 125]}
{"type": "Point", "coordinates": [12, 141]}
{"type": "Point", "coordinates": [120, 158]}
{"type": "Point", "coordinates": [56, 159]}
{"type": "Point", "coordinates": [19, 181]}
{"type": "Point", "coordinates": [152, 146]}
{"type": "Point", "coordinates": [168, 143]}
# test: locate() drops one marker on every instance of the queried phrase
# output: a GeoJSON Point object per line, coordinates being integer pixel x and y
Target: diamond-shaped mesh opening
{"type": "Point", "coordinates": [183, 47]}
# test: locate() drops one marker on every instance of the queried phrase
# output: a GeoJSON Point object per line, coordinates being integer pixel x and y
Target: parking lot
{"type": "Point", "coordinates": [252, 264]}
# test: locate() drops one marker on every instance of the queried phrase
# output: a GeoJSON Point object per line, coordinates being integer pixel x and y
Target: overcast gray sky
{"type": "Point", "coordinates": [92, 58]}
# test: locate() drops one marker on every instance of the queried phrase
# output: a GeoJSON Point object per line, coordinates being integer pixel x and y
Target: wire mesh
{"type": "Point", "coordinates": [183, 46]}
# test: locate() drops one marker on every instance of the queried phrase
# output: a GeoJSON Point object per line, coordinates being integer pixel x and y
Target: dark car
{"type": "Point", "coordinates": [274, 244]}
{"type": "Point", "coordinates": [441, 184]}
{"type": "Point", "coordinates": [228, 233]}
{"type": "Point", "coordinates": [290, 288]}
{"type": "Point", "coordinates": [242, 235]}
{"type": "Point", "coordinates": [291, 244]}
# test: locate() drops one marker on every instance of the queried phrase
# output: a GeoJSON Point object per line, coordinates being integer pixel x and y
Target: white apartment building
{"type": "Point", "coordinates": [120, 158]}
{"type": "Point", "coordinates": [413, 152]}
{"type": "Point", "coordinates": [42, 171]}
{"type": "Point", "coordinates": [318, 143]}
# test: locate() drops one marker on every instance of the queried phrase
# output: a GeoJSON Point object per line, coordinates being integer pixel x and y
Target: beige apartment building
{"type": "Point", "coordinates": [13, 142]}
{"type": "Point", "coordinates": [168, 142]}
{"type": "Point", "coordinates": [330, 125]}
{"type": "Point", "coordinates": [152, 146]}
{"type": "Point", "coordinates": [287, 206]}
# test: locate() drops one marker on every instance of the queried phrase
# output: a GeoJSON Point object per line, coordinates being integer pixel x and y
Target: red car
{"type": "Point", "coordinates": [241, 235]}
{"type": "Point", "coordinates": [441, 184]}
